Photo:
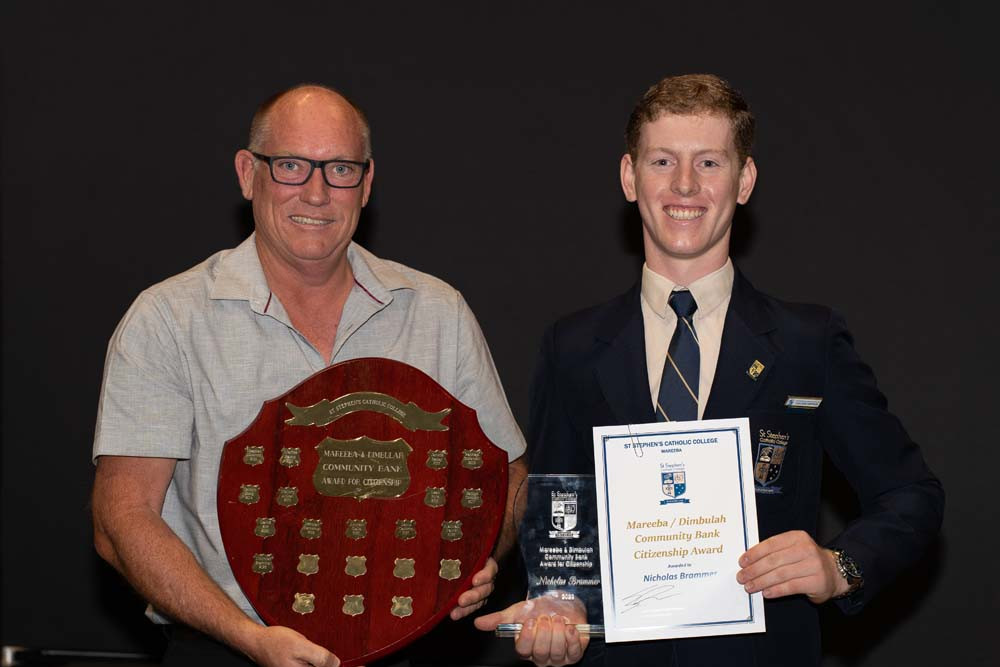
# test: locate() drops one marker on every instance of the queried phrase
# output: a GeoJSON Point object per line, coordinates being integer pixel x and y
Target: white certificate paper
{"type": "Point", "coordinates": [676, 510]}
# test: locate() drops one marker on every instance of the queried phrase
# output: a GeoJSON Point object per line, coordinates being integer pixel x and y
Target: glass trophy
{"type": "Point", "coordinates": [558, 538]}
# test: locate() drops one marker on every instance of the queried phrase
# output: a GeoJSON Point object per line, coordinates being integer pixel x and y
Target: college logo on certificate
{"type": "Point", "coordinates": [673, 481]}
{"type": "Point", "coordinates": [564, 514]}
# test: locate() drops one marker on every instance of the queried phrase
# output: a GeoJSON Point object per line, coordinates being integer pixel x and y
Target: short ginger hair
{"type": "Point", "coordinates": [690, 95]}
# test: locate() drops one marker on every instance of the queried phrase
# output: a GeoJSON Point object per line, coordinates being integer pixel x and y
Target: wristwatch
{"type": "Point", "coordinates": [849, 570]}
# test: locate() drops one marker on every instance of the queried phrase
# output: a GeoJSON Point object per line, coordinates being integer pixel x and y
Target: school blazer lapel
{"type": "Point", "coordinates": [746, 338]}
{"type": "Point", "coordinates": [621, 365]}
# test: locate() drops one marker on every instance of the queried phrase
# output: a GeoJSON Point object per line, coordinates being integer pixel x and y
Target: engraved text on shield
{"type": "Point", "coordinates": [362, 468]}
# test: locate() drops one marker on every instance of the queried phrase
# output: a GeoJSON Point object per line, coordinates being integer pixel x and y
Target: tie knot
{"type": "Point", "coordinates": [683, 304]}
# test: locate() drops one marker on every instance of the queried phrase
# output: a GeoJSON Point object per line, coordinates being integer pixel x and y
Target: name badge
{"type": "Point", "coordinates": [803, 402]}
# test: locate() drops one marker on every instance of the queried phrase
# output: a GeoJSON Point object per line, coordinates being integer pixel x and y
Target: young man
{"type": "Point", "coordinates": [694, 340]}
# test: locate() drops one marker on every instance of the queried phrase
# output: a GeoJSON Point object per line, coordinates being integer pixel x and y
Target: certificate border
{"type": "Point", "coordinates": [743, 510]}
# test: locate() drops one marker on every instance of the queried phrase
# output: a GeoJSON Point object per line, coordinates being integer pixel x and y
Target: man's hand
{"type": "Point", "coordinates": [474, 598]}
{"type": "Point", "coordinates": [132, 536]}
{"type": "Point", "coordinates": [276, 646]}
{"type": "Point", "coordinates": [789, 564]}
{"type": "Point", "coordinates": [549, 635]}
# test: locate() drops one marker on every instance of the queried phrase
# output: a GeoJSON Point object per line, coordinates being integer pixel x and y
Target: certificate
{"type": "Point", "coordinates": [676, 510]}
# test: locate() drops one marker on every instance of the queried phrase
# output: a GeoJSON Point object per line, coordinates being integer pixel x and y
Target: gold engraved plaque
{"type": "Point", "coordinates": [249, 493]}
{"type": "Point", "coordinates": [437, 459]}
{"type": "Point", "coordinates": [326, 412]}
{"type": "Point", "coordinates": [253, 455]}
{"type": "Point", "coordinates": [356, 565]}
{"type": "Point", "coordinates": [472, 498]}
{"type": "Point", "coordinates": [451, 531]}
{"type": "Point", "coordinates": [472, 459]}
{"type": "Point", "coordinates": [401, 606]}
{"type": "Point", "coordinates": [356, 529]}
{"type": "Point", "coordinates": [287, 496]}
{"type": "Point", "coordinates": [450, 569]}
{"type": "Point", "coordinates": [308, 564]}
{"type": "Point", "coordinates": [434, 496]}
{"type": "Point", "coordinates": [406, 529]}
{"type": "Point", "coordinates": [290, 457]}
{"type": "Point", "coordinates": [305, 603]}
{"type": "Point", "coordinates": [263, 563]}
{"type": "Point", "coordinates": [264, 526]}
{"type": "Point", "coordinates": [404, 568]}
{"type": "Point", "coordinates": [312, 529]}
{"type": "Point", "coordinates": [354, 605]}
{"type": "Point", "coordinates": [362, 468]}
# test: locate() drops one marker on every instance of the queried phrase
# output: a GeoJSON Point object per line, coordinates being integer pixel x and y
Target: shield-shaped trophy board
{"type": "Point", "coordinates": [356, 508]}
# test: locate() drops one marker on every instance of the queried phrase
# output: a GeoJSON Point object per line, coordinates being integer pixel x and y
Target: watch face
{"type": "Point", "coordinates": [850, 568]}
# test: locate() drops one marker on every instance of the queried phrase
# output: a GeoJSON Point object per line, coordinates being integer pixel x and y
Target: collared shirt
{"type": "Point", "coordinates": [196, 356]}
{"type": "Point", "coordinates": [711, 293]}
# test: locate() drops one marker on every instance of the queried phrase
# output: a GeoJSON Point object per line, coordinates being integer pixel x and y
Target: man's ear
{"type": "Point", "coordinates": [245, 163]}
{"type": "Point", "coordinates": [748, 177]}
{"type": "Point", "coordinates": [628, 177]}
{"type": "Point", "coordinates": [366, 183]}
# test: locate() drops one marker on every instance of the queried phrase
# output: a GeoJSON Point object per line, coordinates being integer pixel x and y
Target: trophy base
{"type": "Point", "coordinates": [585, 629]}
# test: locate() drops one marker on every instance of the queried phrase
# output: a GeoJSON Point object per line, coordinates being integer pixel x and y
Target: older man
{"type": "Point", "coordinates": [693, 339]}
{"type": "Point", "coordinates": [196, 355]}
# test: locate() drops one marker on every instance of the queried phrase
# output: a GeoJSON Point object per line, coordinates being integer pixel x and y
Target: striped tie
{"type": "Point", "coordinates": [678, 397]}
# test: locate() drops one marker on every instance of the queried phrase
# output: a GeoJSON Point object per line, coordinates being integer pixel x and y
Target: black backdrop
{"type": "Point", "coordinates": [497, 131]}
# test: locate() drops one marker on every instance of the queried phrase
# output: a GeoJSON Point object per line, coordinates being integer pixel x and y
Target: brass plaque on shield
{"type": "Point", "coordinates": [354, 605]}
{"type": "Point", "coordinates": [404, 568]}
{"type": "Point", "coordinates": [362, 468]}
{"type": "Point", "coordinates": [312, 529]}
{"type": "Point", "coordinates": [451, 531]}
{"type": "Point", "coordinates": [472, 459]}
{"type": "Point", "coordinates": [288, 496]}
{"type": "Point", "coordinates": [401, 606]}
{"type": "Point", "coordinates": [472, 498]}
{"type": "Point", "coordinates": [263, 563]}
{"type": "Point", "coordinates": [253, 455]}
{"type": "Point", "coordinates": [249, 493]}
{"type": "Point", "coordinates": [305, 603]}
{"type": "Point", "coordinates": [264, 526]}
{"type": "Point", "coordinates": [290, 457]}
{"type": "Point", "coordinates": [437, 459]}
{"type": "Point", "coordinates": [406, 529]}
{"type": "Point", "coordinates": [308, 564]}
{"type": "Point", "coordinates": [450, 569]}
{"type": "Point", "coordinates": [356, 529]}
{"type": "Point", "coordinates": [410, 415]}
{"type": "Point", "coordinates": [434, 496]}
{"type": "Point", "coordinates": [356, 565]}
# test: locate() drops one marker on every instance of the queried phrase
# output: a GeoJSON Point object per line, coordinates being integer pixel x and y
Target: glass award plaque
{"type": "Point", "coordinates": [357, 507]}
{"type": "Point", "coordinates": [559, 545]}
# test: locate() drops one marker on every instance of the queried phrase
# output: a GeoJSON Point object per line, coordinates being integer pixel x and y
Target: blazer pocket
{"type": "Point", "coordinates": [779, 441]}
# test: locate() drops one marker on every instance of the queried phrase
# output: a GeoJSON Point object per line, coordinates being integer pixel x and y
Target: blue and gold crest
{"type": "Point", "coordinates": [771, 449]}
{"type": "Point", "coordinates": [674, 483]}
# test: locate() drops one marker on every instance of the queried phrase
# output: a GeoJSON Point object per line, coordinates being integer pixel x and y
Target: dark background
{"type": "Point", "coordinates": [497, 132]}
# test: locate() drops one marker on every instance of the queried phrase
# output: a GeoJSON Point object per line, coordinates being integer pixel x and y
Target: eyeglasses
{"type": "Point", "coordinates": [292, 170]}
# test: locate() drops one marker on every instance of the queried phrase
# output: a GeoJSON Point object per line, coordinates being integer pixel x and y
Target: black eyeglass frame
{"type": "Point", "coordinates": [313, 165]}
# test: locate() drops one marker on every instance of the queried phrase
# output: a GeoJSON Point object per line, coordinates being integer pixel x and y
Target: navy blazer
{"type": "Point", "coordinates": [592, 372]}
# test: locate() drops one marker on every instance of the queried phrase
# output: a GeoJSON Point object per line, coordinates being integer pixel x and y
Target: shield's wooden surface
{"type": "Point", "coordinates": [356, 507]}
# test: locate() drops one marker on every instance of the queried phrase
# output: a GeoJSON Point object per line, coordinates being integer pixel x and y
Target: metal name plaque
{"type": "Point", "coordinates": [356, 508]}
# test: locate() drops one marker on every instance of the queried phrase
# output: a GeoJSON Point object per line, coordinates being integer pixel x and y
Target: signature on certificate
{"type": "Point", "coordinates": [655, 592]}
